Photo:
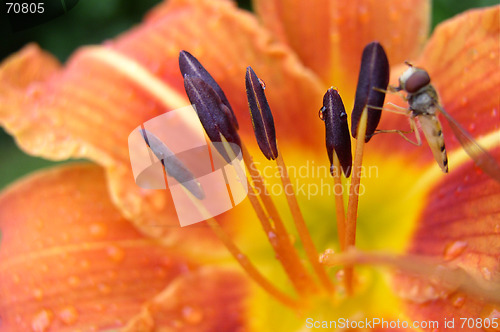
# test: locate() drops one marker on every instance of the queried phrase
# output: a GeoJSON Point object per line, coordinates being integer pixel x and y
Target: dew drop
{"type": "Point", "coordinates": [393, 14]}
{"type": "Point", "coordinates": [42, 320]}
{"type": "Point", "coordinates": [192, 315]}
{"type": "Point", "coordinates": [177, 324]}
{"type": "Point", "coordinates": [492, 312]}
{"type": "Point", "coordinates": [104, 289]}
{"type": "Point", "coordinates": [457, 191]}
{"type": "Point", "coordinates": [340, 275]}
{"type": "Point", "coordinates": [73, 281]}
{"type": "Point", "coordinates": [68, 315]}
{"type": "Point", "coordinates": [115, 253]}
{"type": "Point", "coordinates": [363, 15]}
{"type": "Point", "coordinates": [38, 294]}
{"type": "Point", "coordinates": [97, 230]}
{"type": "Point", "coordinates": [84, 263]}
{"type": "Point", "coordinates": [464, 101]}
{"type": "Point", "coordinates": [158, 202]}
{"type": "Point", "coordinates": [65, 237]}
{"type": "Point", "coordinates": [458, 301]}
{"type": "Point", "coordinates": [271, 235]}
{"type": "Point", "coordinates": [39, 224]}
{"type": "Point", "coordinates": [324, 255]}
{"type": "Point", "coordinates": [262, 84]}
{"type": "Point", "coordinates": [321, 113]}
{"type": "Point", "coordinates": [454, 249]}
{"type": "Point", "coordinates": [486, 273]}
{"type": "Point", "coordinates": [472, 126]}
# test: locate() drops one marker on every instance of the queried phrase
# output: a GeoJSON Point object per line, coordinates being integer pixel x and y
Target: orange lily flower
{"type": "Point", "coordinates": [84, 248]}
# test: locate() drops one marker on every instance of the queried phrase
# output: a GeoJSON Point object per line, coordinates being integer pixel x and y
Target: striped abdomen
{"type": "Point", "coordinates": [433, 132]}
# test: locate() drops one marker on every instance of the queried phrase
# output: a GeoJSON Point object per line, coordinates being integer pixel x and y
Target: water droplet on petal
{"type": "Point", "coordinates": [115, 253]}
{"type": "Point", "coordinates": [454, 249]}
{"type": "Point", "coordinates": [177, 324]}
{"type": "Point", "coordinates": [363, 14]}
{"type": "Point", "coordinates": [486, 273]}
{"type": "Point", "coordinates": [491, 313]}
{"type": "Point", "coordinates": [97, 230]}
{"type": "Point", "coordinates": [458, 301]}
{"type": "Point", "coordinates": [192, 315]}
{"type": "Point", "coordinates": [73, 281]}
{"type": "Point", "coordinates": [340, 275]}
{"type": "Point", "coordinates": [42, 320]}
{"type": "Point", "coordinates": [104, 289]}
{"type": "Point", "coordinates": [68, 315]}
{"type": "Point", "coordinates": [38, 294]}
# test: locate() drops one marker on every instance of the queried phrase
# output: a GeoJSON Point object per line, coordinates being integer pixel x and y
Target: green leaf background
{"type": "Point", "coordinates": [91, 22]}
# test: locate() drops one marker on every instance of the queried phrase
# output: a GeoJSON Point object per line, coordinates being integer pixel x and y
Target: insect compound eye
{"type": "Point", "coordinates": [417, 81]}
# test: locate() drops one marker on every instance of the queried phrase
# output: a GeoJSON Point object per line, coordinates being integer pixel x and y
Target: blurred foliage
{"type": "Point", "coordinates": [91, 22]}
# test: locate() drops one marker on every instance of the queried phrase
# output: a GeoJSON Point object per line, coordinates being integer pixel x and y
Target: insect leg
{"type": "Point", "coordinates": [391, 89]}
{"type": "Point", "coordinates": [404, 112]}
{"type": "Point", "coordinates": [402, 133]}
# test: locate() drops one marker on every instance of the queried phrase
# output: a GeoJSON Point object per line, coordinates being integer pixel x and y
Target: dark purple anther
{"type": "Point", "coordinates": [212, 112]}
{"type": "Point", "coordinates": [338, 139]}
{"type": "Point", "coordinates": [262, 118]}
{"type": "Point", "coordinates": [373, 79]}
{"type": "Point", "coordinates": [189, 65]}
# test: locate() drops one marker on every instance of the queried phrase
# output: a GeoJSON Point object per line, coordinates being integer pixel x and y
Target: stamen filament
{"type": "Point", "coordinates": [352, 205]}
{"type": "Point", "coordinates": [300, 225]}
{"type": "Point", "coordinates": [249, 268]}
{"type": "Point", "coordinates": [339, 202]}
{"type": "Point", "coordinates": [269, 230]}
{"type": "Point", "coordinates": [455, 278]}
{"type": "Point", "coordinates": [285, 250]}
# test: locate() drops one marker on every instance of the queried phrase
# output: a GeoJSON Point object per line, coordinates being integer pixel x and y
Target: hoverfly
{"type": "Point", "coordinates": [423, 101]}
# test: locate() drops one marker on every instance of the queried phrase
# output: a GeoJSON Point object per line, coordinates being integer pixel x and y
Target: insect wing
{"type": "Point", "coordinates": [480, 156]}
{"type": "Point", "coordinates": [431, 127]}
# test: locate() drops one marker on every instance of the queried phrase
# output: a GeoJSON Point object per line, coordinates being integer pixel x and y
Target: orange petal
{"type": "Point", "coordinates": [70, 261]}
{"type": "Point", "coordinates": [88, 109]}
{"type": "Point", "coordinates": [462, 59]}
{"type": "Point", "coordinates": [181, 306]}
{"type": "Point", "coordinates": [329, 35]}
{"type": "Point", "coordinates": [460, 224]}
